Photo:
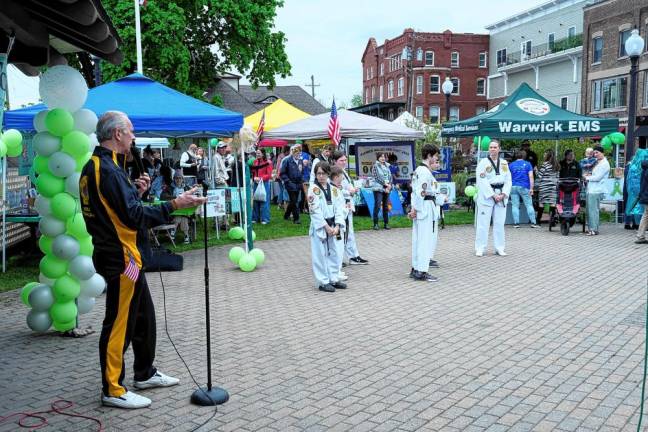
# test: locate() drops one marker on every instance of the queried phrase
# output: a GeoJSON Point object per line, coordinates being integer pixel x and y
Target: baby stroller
{"type": "Point", "coordinates": [568, 204]}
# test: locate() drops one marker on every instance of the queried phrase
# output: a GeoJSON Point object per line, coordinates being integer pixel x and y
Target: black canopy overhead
{"type": "Point", "coordinates": [45, 29]}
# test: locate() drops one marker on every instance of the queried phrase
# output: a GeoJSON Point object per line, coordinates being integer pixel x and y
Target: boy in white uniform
{"type": "Point", "coordinates": [327, 223]}
{"type": "Point", "coordinates": [424, 214]}
{"type": "Point", "coordinates": [494, 184]}
{"type": "Point", "coordinates": [336, 180]}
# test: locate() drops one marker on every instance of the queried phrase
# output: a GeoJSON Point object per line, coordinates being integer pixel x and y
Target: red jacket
{"type": "Point", "coordinates": [262, 169]}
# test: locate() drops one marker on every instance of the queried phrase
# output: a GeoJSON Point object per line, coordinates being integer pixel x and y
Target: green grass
{"type": "Point", "coordinates": [23, 268]}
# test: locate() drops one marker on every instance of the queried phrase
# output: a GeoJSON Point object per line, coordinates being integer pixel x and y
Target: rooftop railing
{"type": "Point", "coordinates": [543, 50]}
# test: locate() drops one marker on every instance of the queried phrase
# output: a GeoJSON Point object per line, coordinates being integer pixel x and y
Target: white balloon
{"type": "Point", "coordinates": [41, 298]}
{"type": "Point", "coordinates": [39, 121]}
{"type": "Point", "coordinates": [50, 226]}
{"type": "Point", "coordinates": [42, 205]}
{"type": "Point", "coordinates": [85, 304]}
{"type": "Point", "coordinates": [61, 164]}
{"type": "Point", "coordinates": [93, 287]}
{"type": "Point", "coordinates": [93, 140]}
{"type": "Point", "coordinates": [45, 280]}
{"type": "Point", "coordinates": [46, 144]}
{"type": "Point", "coordinates": [82, 267]}
{"type": "Point", "coordinates": [65, 247]}
{"type": "Point", "coordinates": [85, 120]}
{"type": "Point", "coordinates": [39, 321]}
{"type": "Point", "coordinates": [72, 184]}
{"type": "Point", "coordinates": [63, 87]}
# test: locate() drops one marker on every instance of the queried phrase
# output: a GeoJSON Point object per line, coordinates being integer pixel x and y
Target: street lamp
{"type": "Point", "coordinates": [634, 47]}
{"type": "Point", "coordinates": [447, 88]}
{"type": "Point", "coordinates": [408, 55]}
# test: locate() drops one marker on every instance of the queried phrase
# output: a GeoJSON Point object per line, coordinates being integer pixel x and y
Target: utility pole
{"type": "Point", "coordinates": [312, 85]}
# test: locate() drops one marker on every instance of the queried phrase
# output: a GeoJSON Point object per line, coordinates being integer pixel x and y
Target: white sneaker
{"type": "Point", "coordinates": [157, 380]}
{"type": "Point", "coordinates": [479, 254]}
{"type": "Point", "coordinates": [342, 276]}
{"type": "Point", "coordinates": [501, 253]}
{"type": "Point", "coordinates": [128, 400]}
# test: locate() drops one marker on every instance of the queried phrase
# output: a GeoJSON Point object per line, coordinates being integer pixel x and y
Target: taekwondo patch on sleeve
{"type": "Point", "coordinates": [311, 199]}
{"type": "Point", "coordinates": [424, 186]}
{"type": "Point", "coordinates": [316, 190]}
{"type": "Point", "coordinates": [482, 175]}
{"type": "Point", "coordinates": [489, 169]}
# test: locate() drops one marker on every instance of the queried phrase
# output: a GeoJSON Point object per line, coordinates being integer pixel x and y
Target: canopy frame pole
{"type": "Point", "coordinates": [138, 37]}
{"type": "Point", "coordinates": [4, 214]}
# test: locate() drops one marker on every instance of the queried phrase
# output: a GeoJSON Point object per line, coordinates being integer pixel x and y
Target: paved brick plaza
{"type": "Point", "coordinates": [549, 338]}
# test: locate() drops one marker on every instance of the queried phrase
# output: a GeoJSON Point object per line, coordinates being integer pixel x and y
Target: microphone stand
{"type": "Point", "coordinates": [208, 396]}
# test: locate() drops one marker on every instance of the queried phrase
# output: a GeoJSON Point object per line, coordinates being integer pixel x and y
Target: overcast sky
{"type": "Point", "coordinates": [326, 38]}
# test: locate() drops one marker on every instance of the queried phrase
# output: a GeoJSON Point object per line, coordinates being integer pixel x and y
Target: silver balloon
{"type": "Point", "coordinates": [39, 121]}
{"type": "Point", "coordinates": [93, 141]}
{"type": "Point", "coordinates": [72, 184]}
{"type": "Point", "coordinates": [93, 287]}
{"type": "Point", "coordinates": [85, 120]}
{"type": "Point", "coordinates": [61, 164]}
{"type": "Point", "coordinates": [63, 87]}
{"type": "Point", "coordinates": [39, 321]}
{"type": "Point", "coordinates": [85, 304]}
{"type": "Point", "coordinates": [46, 144]}
{"type": "Point", "coordinates": [82, 267]}
{"type": "Point", "coordinates": [50, 226]}
{"type": "Point", "coordinates": [41, 298]}
{"type": "Point", "coordinates": [42, 205]}
{"type": "Point", "coordinates": [65, 247]}
{"type": "Point", "coordinates": [45, 280]}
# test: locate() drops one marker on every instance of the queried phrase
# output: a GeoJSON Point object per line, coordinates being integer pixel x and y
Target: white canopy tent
{"type": "Point", "coordinates": [352, 125]}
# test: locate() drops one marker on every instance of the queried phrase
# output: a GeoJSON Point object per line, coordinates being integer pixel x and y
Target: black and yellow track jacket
{"type": "Point", "coordinates": [114, 214]}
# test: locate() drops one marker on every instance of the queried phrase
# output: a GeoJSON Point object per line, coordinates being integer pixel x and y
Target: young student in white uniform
{"type": "Point", "coordinates": [323, 157]}
{"type": "Point", "coordinates": [336, 180]}
{"type": "Point", "coordinates": [494, 188]}
{"type": "Point", "coordinates": [350, 247]}
{"type": "Point", "coordinates": [424, 214]}
{"type": "Point", "coordinates": [327, 223]}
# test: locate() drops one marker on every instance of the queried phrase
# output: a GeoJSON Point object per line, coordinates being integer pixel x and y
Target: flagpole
{"type": "Point", "coordinates": [138, 37]}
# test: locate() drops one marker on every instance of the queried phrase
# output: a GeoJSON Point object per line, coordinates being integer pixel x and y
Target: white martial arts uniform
{"type": "Point", "coordinates": [339, 244]}
{"type": "Point", "coordinates": [424, 192]}
{"type": "Point", "coordinates": [487, 176]}
{"type": "Point", "coordinates": [324, 250]}
{"type": "Point", "coordinates": [350, 248]}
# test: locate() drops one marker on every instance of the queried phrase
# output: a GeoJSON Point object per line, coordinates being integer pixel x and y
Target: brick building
{"type": "Point", "coordinates": [391, 84]}
{"type": "Point", "coordinates": [606, 66]}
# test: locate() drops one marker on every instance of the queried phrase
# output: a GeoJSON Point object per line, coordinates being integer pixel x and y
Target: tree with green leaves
{"type": "Point", "coordinates": [356, 100]}
{"type": "Point", "coordinates": [187, 43]}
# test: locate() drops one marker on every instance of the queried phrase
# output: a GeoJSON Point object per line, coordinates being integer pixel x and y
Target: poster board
{"type": "Point", "coordinates": [216, 203]}
{"type": "Point", "coordinates": [366, 152]}
{"type": "Point", "coordinates": [444, 173]}
{"type": "Point", "coordinates": [448, 189]}
{"type": "Point", "coordinates": [613, 189]}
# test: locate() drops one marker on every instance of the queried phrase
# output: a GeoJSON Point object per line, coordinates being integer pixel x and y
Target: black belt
{"type": "Point", "coordinates": [430, 198]}
{"type": "Point", "coordinates": [498, 186]}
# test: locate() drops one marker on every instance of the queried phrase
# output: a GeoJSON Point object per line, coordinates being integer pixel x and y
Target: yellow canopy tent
{"type": "Point", "coordinates": [277, 114]}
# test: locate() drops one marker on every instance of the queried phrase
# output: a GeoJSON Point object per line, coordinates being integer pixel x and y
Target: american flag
{"type": "Point", "coordinates": [334, 126]}
{"type": "Point", "coordinates": [261, 127]}
{"type": "Point", "coordinates": [132, 271]}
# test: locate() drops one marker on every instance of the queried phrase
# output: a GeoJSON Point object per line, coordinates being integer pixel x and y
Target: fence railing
{"type": "Point", "coordinates": [542, 50]}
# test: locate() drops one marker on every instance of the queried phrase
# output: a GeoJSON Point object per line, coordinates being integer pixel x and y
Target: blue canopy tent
{"type": "Point", "coordinates": [154, 109]}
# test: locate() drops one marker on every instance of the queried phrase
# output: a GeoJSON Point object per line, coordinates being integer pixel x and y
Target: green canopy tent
{"type": "Point", "coordinates": [527, 115]}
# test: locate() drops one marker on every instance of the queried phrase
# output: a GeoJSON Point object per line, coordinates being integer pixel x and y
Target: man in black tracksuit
{"type": "Point", "coordinates": [118, 224]}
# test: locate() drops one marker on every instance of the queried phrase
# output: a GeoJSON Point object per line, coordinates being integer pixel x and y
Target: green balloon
{"type": "Point", "coordinates": [14, 151]}
{"type": "Point", "coordinates": [236, 233]}
{"type": "Point", "coordinates": [247, 263]}
{"type": "Point", "coordinates": [470, 191]}
{"type": "Point", "coordinates": [66, 289]}
{"type": "Point", "coordinates": [76, 144]}
{"type": "Point", "coordinates": [63, 206]}
{"type": "Point", "coordinates": [45, 244]}
{"type": "Point", "coordinates": [59, 122]}
{"type": "Point", "coordinates": [63, 312]}
{"type": "Point", "coordinates": [82, 160]}
{"type": "Point", "coordinates": [213, 142]}
{"type": "Point", "coordinates": [76, 227]}
{"type": "Point", "coordinates": [3, 149]}
{"type": "Point", "coordinates": [52, 267]}
{"type": "Point", "coordinates": [617, 138]}
{"type": "Point", "coordinates": [235, 254]}
{"type": "Point", "coordinates": [606, 144]}
{"type": "Point", "coordinates": [12, 138]}
{"type": "Point", "coordinates": [85, 246]}
{"type": "Point", "coordinates": [25, 291]}
{"type": "Point", "coordinates": [63, 327]}
{"type": "Point", "coordinates": [49, 185]}
{"type": "Point", "coordinates": [476, 140]}
{"type": "Point", "coordinates": [258, 255]}
{"type": "Point", "coordinates": [485, 142]}
{"type": "Point", "coordinates": [41, 164]}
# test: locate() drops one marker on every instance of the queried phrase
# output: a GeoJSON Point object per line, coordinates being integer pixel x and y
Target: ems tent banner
{"type": "Point", "coordinates": [403, 150]}
{"type": "Point", "coordinates": [527, 115]}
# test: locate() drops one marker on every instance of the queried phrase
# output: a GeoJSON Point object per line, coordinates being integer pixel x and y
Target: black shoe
{"type": "Point", "coordinates": [327, 288]}
{"type": "Point", "coordinates": [412, 271]}
{"type": "Point", "coordinates": [286, 217]}
{"type": "Point", "coordinates": [434, 264]}
{"type": "Point", "coordinates": [358, 261]}
{"type": "Point", "coordinates": [627, 226]}
{"type": "Point", "coordinates": [361, 260]}
{"type": "Point", "coordinates": [376, 228]}
{"type": "Point", "coordinates": [339, 285]}
{"type": "Point", "coordinates": [423, 276]}
{"type": "Point", "coordinates": [387, 227]}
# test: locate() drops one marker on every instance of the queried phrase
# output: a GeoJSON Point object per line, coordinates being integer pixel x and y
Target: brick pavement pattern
{"type": "Point", "coordinates": [549, 338]}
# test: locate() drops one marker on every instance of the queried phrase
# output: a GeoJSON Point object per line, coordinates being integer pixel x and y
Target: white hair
{"type": "Point", "coordinates": [109, 122]}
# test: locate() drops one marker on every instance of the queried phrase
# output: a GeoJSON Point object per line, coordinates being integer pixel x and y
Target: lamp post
{"type": "Point", "coordinates": [447, 88]}
{"type": "Point", "coordinates": [408, 56]}
{"type": "Point", "coordinates": [634, 47]}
